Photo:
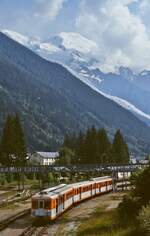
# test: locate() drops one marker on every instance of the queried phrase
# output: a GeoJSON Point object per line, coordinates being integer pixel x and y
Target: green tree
{"type": "Point", "coordinates": [144, 219]}
{"type": "Point", "coordinates": [7, 142]}
{"type": "Point", "coordinates": [13, 149]}
{"type": "Point", "coordinates": [66, 156]}
{"type": "Point", "coordinates": [20, 151]}
{"type": "Point", "coordinates": [70, 141]}
{"type": "Point", "coordinates": [80, 149]}
{"type": "Point", "coordinates": [103, 147]}
{"type": "Point", "coordinates": [120, 152]}
{"type": "Point", "coordinates": [142, 182]}
{"type": "Point", "coordinates": [91, 146]}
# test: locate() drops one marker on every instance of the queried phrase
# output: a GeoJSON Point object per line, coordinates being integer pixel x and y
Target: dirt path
{"type": "Point", "coordinates": [69, 222]}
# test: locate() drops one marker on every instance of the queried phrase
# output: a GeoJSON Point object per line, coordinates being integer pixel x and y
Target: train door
{"type": "Point", "coordinates": [99, 188]}
{"type": "Point", "coordinates": [56, 205]}
{"type": "Point", "coordinates": [80, 192]}
{"type": "Point", "coordinates": [73, 194]}
{"type": "Point", "coordinates": [41, 204]}
{"type": "Point", "coordinates": [63, 201]}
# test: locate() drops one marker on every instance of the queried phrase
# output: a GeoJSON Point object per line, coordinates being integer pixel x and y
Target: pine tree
{"type": "Point", "coordinates": [120, 153]}
{"type": "Point", "coordinates": [91, 146]}
{"type": "Point", "coordinates": [80, 149]}
{"type": "Point", "coordinates": [103, 147]}
{"type": "Point", "coordinates": [70, 141]}
{"type": "Point", "coordinates": [7, 142]}
{"type": "Point", "coordinates": [13, 149]}
{"type": "Point", "coordinates": [20, 147]}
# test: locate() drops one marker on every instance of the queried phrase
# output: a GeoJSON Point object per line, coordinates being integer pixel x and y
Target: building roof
{"type": "Point", "coordinates": [48, 154]}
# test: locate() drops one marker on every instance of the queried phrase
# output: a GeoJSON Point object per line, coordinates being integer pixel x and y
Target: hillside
{"type": "Point", "coordinates": [125, 87]}
{"type": "Point", "coordinates": [53, 102]}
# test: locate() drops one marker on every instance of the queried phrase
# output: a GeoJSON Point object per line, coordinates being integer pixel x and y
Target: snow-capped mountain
{"type": "Point", "coordinates": [126, 88]}
{"type": "Point", "coordinates": [60, 102]}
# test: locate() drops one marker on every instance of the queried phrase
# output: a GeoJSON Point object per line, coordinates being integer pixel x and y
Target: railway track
{"type": "Point", "coordinates": [11, 219]}
{"type": "Point", "coordinates": [35, 231]}
{"type": "Point", "coordinates": [29, 231]}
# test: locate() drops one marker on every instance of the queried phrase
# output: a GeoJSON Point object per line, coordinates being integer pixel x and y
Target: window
{"type": "Point", "coordinates": [47, 204]}
{"type": "Point", "coordinates": [34, 204]}
{"type": "Point", "coordinates": [41, 204]}
{"type": "Point", "coordinates": [69, 195]}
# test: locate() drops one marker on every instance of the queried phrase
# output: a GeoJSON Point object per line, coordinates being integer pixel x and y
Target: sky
{"type": "Point", "coordinates": [120, 28]}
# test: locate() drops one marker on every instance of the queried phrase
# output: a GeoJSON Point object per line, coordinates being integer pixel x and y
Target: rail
{"type": "Point", "coordinates": [31, 230]}
{"type": "Point", "coordinates": [74, 168]}
{"type": "Point", "coordinates": [4, 223]}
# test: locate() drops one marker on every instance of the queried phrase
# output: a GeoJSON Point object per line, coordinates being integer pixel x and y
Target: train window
{"type": "Point", "coordinates": [69, 195]}
{"type": "Point", "coordinates": [60, 199]}
{"type": "Point", "coordinates": [41, 204]}
{"type": "Point", "coordinates": [34, 204]}
{"type": "Point", "coordinates": [47, 204]}
{"type": "Point", "coordinates": [56, 205]}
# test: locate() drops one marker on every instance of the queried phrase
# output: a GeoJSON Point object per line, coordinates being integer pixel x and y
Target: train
{"type": "Point", "coordinates": [52, 202]}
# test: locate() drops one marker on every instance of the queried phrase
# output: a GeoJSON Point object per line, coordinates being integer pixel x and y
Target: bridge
{"type": "Point", "coordinates": [114, 170]}
{"type": "Point", "coordinates": [109, 168]}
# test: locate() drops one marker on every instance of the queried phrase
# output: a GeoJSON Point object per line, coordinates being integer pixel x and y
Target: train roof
{"type": "Point", "coordinates": [63, 188]}
{"type": "Point", "coordinates": [48, 191]}
{"type": "Point", "coordinates": [80, 183]}
{"type": "Point", "coordinates": [101, 178]}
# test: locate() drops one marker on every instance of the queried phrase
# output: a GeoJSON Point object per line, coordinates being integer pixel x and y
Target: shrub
{"type": "Point", "coordinates": [144, 218]}
{"type": "Point", "coordinates": [128, 210]}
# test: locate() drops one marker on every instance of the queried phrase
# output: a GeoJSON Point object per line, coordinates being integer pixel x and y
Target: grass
{"type": "Point", "coordinates": [9, 206]}
{"type": "Point", "coordinates": [30, 184]}
{"type": "Point", "coordinates": [105, 224]}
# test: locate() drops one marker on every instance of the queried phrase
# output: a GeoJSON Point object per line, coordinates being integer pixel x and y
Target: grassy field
{"type": "Point", "coordinates": [106, 223]}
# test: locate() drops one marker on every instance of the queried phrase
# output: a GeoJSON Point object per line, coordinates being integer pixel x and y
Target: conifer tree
{"type": "Point", "coordinates": [103, 147]}
{"type": "Point", "coordinates": [91, 146]}
{"type": "Point", "coordinates": [20, 147]}
{"type": "Point", "coordinates": [13, 149]}
{"type": "Point", "coordinates": [7, 142]}
{"type": "Point", "coordinates": [120, 153]}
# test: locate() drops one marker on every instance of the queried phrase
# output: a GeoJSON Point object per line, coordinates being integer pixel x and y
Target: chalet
{"type": "Point", "coordinates": [45, 158]}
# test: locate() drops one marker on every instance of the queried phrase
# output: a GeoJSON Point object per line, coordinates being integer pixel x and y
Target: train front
{"type": "Point", "coordinates": [41, 205]}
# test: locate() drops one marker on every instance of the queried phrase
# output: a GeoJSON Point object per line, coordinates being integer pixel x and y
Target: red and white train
{"type": "Point", "coordinates": [52, 202]}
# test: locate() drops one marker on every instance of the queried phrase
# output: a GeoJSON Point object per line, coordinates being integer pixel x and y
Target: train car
{"type": "Point", "coordinates": [61, 200]}
{"type": "Point", "coordinates": [103, 184]}
{"type": "Point", "coordinates": [41, 202]}
{"type": "Point", "coordinates": [52, 202]}
{"type": "Point", "coordinates": [82, 190]}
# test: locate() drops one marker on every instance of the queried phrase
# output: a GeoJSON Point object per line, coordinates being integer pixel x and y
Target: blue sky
{"type": "Point", "coordinates": [120, 28]}
{"type": "Point", "coordinates": [38, 17]}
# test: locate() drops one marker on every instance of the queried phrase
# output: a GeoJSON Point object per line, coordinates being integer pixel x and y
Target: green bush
{"type": "Point", "coordinates": [128, 210]}
{"type": "Point", "coordinates": [144, 219]}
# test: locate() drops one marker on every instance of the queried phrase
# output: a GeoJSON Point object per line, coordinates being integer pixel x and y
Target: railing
{"type": "Point", "coordinates": [74, 168]}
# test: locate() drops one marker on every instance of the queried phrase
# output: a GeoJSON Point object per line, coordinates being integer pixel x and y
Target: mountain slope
{"type": "Point", "coordinates": [73, 50]}
{"type": "Point", "coordinates": [52, 101]}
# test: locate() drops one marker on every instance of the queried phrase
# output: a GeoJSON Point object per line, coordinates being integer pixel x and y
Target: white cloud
{"type": "Point", "coordinates": [49, 8]}
{"type": "Point", "coordinates": [121, 35]}
{"type": "Point", "coordinates": [144, 6]}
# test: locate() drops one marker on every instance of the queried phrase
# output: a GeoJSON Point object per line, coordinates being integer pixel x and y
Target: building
{"type": "Point", "coordinates": [45, 158]}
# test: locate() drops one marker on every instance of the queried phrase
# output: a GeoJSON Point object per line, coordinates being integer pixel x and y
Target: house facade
{"type": "Point", "coordinates": [45, 158]}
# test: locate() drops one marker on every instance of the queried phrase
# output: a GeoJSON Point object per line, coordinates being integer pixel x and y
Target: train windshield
{"type": "Point", "coordinates": [41, 203]}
